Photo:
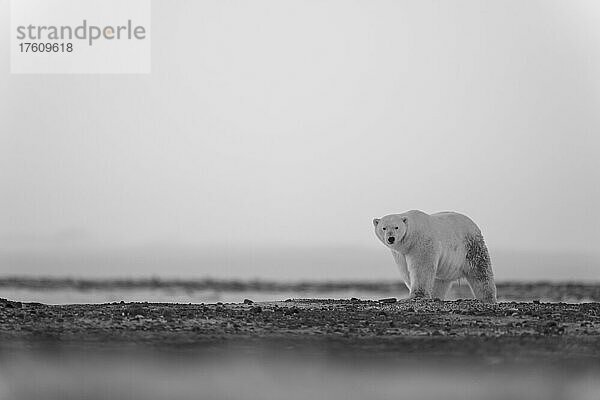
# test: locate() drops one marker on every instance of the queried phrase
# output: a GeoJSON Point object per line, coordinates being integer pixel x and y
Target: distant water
{"type": "Point", "coordinates": [68, 291]}
{"type": "Point", "coordinates": [371, 270]}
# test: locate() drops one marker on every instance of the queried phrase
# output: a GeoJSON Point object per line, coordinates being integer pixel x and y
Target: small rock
{"type": "Point", "coordinates": [292, 310]}
{"type": "Point", "coordinates": [536, 302]}
{"type": "Point", "coordinates": [256, 310]}
{"type": "Point", "coordinates": [389, 300]}
{"type": "Point", "coordinates": [248, 301]}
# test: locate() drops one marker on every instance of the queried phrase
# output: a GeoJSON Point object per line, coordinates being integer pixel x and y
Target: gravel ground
{"type": "Point", "coordinates": [462, 328]}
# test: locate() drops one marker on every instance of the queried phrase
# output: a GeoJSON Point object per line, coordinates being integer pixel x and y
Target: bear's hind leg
{"type": "Point", "coordinates": [484, 290]}
{"type": "Point", "coordinates": [478, 271]}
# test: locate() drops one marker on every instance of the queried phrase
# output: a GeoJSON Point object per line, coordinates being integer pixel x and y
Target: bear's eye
{"type": "Point", "coordinates": [396, 227]}
{"type": "Point", "coordinates": [384, 229]}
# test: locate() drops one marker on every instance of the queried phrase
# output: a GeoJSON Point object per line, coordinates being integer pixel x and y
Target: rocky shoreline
{"type": "Point", "coordinates": [463, 328]}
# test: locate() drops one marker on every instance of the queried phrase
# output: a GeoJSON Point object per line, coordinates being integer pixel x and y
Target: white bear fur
{"type": "Point", "coordinates": [432, 251]}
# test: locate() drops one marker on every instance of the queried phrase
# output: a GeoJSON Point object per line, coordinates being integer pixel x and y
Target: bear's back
{"type": "Point", "coordinates": [455, 222]}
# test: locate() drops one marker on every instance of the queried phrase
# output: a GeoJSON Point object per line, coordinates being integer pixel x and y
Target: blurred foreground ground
{"type": "Point", "coordinates": [272, 376]}
{"type": "Point", "coordinates": [301, 349]}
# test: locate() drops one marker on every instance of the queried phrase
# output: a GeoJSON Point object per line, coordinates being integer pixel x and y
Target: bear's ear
{"type": "Point", "coordinates": [404, 219]}
{"type": "Point", "coordinates": [375, 222]}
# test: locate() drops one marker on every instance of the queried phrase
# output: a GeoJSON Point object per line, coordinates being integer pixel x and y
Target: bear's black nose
{"type": "Point", "coordinates": [391, 239]}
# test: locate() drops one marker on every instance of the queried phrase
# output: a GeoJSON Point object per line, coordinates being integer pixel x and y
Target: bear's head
{"type": "Point", "coordinates": [391, 229]}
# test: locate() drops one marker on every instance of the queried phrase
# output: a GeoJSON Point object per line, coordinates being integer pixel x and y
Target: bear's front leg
{"type": "Point", "coordinates": [422, 271]}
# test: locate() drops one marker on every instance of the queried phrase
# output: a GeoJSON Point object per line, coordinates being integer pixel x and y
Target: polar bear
{"type": "Point", "coordinates": [432, 251]}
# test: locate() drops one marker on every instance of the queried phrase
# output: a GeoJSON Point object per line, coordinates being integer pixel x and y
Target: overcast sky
{"type": "Point", "coordinates": [291, 124]}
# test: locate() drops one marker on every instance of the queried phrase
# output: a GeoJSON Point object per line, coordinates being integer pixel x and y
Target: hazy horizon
{"type": "Point", "coordinates": [278, 264]}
